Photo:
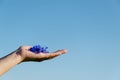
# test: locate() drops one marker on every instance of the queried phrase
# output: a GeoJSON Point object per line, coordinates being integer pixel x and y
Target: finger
{"type": "Point", "coordinates": [55, 54]}
{"type": "Point", "coordinates": [60, 51]}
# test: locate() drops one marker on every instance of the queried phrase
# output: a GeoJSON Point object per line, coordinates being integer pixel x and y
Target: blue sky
{"type": "Point", "coordinates": [88, 29]}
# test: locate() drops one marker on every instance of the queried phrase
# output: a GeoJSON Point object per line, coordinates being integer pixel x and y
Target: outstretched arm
{"type": "Point", "coordinates": [24, 55]}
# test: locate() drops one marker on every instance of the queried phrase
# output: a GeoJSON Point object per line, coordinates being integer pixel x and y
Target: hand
{"type": "Point", "coordinates": [27, 55]}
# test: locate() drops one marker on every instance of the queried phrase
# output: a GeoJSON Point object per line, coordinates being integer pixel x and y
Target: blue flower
{"type": "Point", "coordinates": [38, 49]}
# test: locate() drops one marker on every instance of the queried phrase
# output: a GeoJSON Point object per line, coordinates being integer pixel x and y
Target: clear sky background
{"type": "Point", "coordinates": [88, 29]}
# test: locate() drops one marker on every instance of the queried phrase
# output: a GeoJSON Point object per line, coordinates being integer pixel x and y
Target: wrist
{"type": "Point", "coordinates": [18, 57]}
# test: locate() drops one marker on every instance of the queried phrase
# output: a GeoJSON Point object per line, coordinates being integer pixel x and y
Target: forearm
{"type": "Point", "coordinates": [9, 61]}
{"type": "Point", "coordinates": [23, 54]}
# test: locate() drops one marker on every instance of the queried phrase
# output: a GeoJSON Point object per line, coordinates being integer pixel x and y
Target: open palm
{"type": "Point", "coordinates": [27, 55]}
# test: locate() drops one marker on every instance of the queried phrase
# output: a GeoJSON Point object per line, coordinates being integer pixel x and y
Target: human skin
{"type": "Point", "coordinates": [22, 54]}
